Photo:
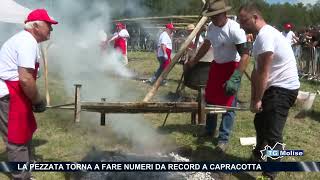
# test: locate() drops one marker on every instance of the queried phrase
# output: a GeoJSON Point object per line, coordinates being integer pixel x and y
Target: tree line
{"type": "Point", "coordinates": [299, 15]}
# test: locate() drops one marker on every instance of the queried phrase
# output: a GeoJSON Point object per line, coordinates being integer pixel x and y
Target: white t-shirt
{"type": "Point", "coordinates": [124, 33]}
{"type": "Point", "coordinates": [165, 40]}
{"type": "Point", "coordinates": [224, 39]}
{"type": "Point", "coordinates": [283, 71]}
{"type": "Point", "coordinates": [21, 50]}
{"type": "Point", "coordinates": [290, 37]}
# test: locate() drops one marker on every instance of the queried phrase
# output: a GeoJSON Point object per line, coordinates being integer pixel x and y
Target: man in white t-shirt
{"type": "Point", "coordinates": [289, 34]}
{"type": "Point", "coordinates": [163, 52]}
{"type": "Point", "coordinates": [231, 58]}
{"type": "Point", "coordinates": [19, 96]}
{"type": "Point", "coordinates": [120, 40]}
{"type": "Point", "coordinates": [291, 38]}
{"type": "Point", "coordinates": [275, 81]}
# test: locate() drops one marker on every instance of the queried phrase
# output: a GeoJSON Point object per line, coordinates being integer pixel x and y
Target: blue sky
{"type": "Point", "coordinates": [292, 1]}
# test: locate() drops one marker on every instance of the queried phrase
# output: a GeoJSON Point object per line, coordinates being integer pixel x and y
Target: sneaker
{"type": "Point", "coordinates": [269, 175]}
{"type": "Point", "coordinates": [262, 177]}
{"type": "Point", "coordinates": [148, 81]}
{"type": "Point", "coordinates": [164, 83]}
{"type": "Point", "coordinates": [222, 147]}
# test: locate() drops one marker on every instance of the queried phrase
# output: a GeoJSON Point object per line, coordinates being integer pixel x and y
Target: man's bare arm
{"type": "Point", "coordinates": [164, 47]}
{"type": "Point", "coordinates": [262, 74]}
{"type": "Point", "coordinates": [201, 52]}
{"type": "Point", "coordinates": [28, 84]}
{"type": "Point", "coordinates": [245, 60]}
{"type": "Point", "coordinates": [253, 84]}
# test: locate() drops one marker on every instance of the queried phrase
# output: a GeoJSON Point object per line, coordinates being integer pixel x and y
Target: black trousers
{"type": "Point", "coordinates": [269, 123]}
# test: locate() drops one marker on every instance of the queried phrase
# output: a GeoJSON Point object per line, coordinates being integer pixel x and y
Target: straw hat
{"type": "Point", "coordinates": [215, 7]}
{"type": "Point", "coordinates": [190, 27]}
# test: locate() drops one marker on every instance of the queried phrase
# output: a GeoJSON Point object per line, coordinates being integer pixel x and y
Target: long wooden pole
{"type": "Point", "coordinates": [175, 59]}
{"type": "Point", "coordinates": [44, 51]}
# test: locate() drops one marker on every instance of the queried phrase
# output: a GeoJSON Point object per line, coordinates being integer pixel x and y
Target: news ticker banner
{"type": "Point", "coordinates": [159, 166]}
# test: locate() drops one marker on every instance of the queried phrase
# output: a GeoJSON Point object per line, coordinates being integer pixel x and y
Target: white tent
{"type": "Point", "coordinates": [12, 12]}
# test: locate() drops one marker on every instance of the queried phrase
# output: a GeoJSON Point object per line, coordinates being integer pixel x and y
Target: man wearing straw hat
{"type": "Point", "coordinates": [193, 47]}
{"type": "Point", "coordinates": [230, 60]}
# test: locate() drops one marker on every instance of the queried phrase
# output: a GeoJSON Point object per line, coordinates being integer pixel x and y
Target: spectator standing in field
{"type": "Point", "coordinates": [163, 52]}
{"type": "Point", "coordinates": [275, 82]}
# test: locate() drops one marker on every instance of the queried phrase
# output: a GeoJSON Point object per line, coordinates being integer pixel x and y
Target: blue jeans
{"type": "Point", "coordinates": [225, 126]}
{"type": "Point", "coordinates": [159, 70]}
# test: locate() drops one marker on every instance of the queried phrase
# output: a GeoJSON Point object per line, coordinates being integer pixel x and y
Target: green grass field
{"type": "Point", "coordinates": [58, 138]}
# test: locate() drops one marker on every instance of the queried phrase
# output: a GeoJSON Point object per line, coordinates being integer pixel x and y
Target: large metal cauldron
{"type": "Point", "coordinates": [197, 76]}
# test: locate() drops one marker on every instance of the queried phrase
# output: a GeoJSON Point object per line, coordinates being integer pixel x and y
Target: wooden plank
{"type": "Point", "coordinates": [139, 107]}
{"type": "Point", "coordinates": [45, 68]}
{"type": "Point", "coordinates": [155, 18]}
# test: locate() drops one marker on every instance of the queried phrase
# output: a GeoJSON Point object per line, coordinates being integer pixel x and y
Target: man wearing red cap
{"type": "Point", "coordinates": [164, 49]}
{"type": "Point", "coordinates": [120, 40]}
{"type": "Point", "coordinates": [289, 34]}
{"type": "Point", "coordinates": [19, 96]}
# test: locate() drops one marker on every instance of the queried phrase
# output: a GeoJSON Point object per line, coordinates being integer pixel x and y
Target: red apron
{"type": "Point", "coordinates": [121, 44]}
{"type": "Point", "coordinates": [21, 121]}
{"type": "Point", "coordinates": [218, 75]}
{"type": "Point", "coordinates": [167, 62]}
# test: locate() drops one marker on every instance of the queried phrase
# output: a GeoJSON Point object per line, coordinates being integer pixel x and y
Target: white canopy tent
{"type": "Point", "coordinates": [12, 12]}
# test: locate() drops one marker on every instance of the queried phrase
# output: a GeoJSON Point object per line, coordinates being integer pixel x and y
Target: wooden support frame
{"type": "Point", "coordinates": [77, 103]}
{"type": "Point", "coordinates": [103, 114]}
{"type": "Point", "coordinates": [103, 107]}
{"type": "Point", "coordinates": [201, 105]}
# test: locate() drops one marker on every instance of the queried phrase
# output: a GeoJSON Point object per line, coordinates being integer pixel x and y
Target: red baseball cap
{"type": "Point", "coordinates": [170, 26]}
{"type": "Point", "coordinates": [40, 15]}
{"type": "Point", "coordinates": [120, 25]}
{"type": "Point", "coordinates": [288, 26]}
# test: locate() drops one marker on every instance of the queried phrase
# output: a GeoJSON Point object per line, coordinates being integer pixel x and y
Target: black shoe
{"type": "Point", "coordinates": [256, 156]}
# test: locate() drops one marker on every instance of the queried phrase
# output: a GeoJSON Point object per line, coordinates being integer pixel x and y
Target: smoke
{"type": "Point", "coordinates": [74, 54]}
